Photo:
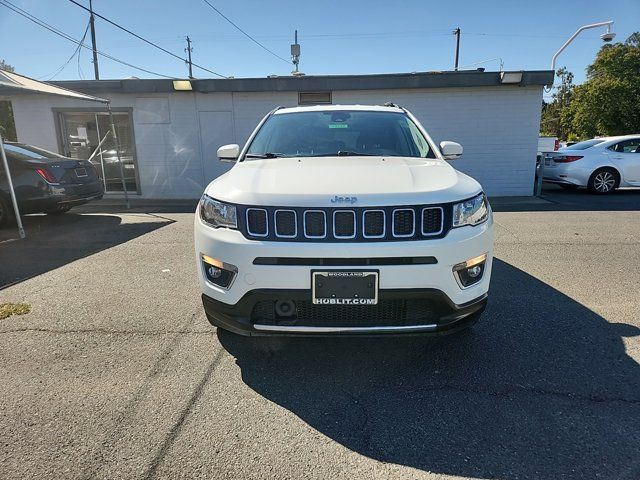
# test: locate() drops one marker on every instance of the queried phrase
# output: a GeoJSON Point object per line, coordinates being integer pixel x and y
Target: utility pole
{"type": "Point", "coordinates": [189, 49]}
{"type": "Point", "coordinates": [456, 32]}
{"type": "Point", "coordinates": [93, 41]}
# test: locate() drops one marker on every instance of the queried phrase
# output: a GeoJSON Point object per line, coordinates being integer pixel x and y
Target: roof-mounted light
{"type": "Point", "coordinates": [182, 85]}
{"type": "Point", "coordinates": [510, 77]}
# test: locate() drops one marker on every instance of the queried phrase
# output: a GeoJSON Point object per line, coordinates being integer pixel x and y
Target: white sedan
{"type": "Point", "coordinates": [601, 164]}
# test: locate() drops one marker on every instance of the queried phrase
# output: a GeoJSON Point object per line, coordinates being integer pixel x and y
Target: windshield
{"type": "Point", "coordinates": [339, 132]}
{"type": "Point", "coordinates": [584, 145]}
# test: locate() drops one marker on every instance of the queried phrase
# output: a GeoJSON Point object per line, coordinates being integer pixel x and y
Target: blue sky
{"type": "Point", "coordinates": [337, 37]}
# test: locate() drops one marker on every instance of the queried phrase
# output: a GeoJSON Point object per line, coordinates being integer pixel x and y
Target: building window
{"type": "Point", "coordinates": [314, 98]}
{"type": "Point", "coordinates": [87, 135]}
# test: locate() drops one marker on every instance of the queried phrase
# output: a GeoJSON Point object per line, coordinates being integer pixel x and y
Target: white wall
{"type": "Point", "coordinates": [245, 110]}
{"type": "Point", "coordinates": [498, 127]}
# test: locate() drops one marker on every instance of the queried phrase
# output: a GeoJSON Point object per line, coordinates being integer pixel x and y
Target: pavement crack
{"type": "Point", "coordinates": [177, 427]}
{"type": "Point", "coordinates": [97, 461]}
{"type": "Point", "coordinates": [501, 225]}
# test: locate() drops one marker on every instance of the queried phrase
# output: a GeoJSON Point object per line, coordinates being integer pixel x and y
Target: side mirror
{"type": "Point", "coordinates": [450, 150]}
{"type": "Point", "coordinates": [229, 153]}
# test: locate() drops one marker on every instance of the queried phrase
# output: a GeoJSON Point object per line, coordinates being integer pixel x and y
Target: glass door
{"type": "Point", "coordinates": [87, 136]}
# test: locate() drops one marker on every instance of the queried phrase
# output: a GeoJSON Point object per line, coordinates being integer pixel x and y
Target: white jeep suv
{"type": "Point", "coordinates": [343, 219]}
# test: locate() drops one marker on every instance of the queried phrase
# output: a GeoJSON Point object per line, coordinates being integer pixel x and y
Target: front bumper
{"type": "Point", "coordinates": [440, 317]}
{"type": "Point", "coordinates": [433, 283]}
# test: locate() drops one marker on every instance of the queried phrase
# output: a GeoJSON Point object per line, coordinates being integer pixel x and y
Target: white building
{"type": "Point", "coordinates": [170, 136]}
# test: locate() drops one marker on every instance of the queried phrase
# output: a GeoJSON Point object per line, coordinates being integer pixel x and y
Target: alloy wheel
{"type": "Point", "coordinates": [604, 182]}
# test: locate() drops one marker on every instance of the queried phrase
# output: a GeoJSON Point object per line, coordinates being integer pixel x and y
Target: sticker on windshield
{"type": "Point", "coordinates": [338, 125]}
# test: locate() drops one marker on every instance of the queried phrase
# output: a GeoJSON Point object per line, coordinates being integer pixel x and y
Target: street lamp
{"type": "Point", "coordinates": [606, 37]}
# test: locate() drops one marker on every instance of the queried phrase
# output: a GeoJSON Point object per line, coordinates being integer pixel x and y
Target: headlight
{"type": "Point", "coordinates": [471, 212]}
{"type": "Point", "coordinates": [218, 214]}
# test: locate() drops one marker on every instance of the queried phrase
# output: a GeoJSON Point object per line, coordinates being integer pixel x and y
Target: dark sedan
{"type": "Point", "coordinates": [45, 181]}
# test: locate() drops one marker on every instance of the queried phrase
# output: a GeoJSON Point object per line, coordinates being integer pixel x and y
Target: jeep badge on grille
{"type": "Point", "coordinates": [337, 199]}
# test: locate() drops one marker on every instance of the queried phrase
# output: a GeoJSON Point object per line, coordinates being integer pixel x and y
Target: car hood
{"type": "Point", "coordinates": [363, 181]}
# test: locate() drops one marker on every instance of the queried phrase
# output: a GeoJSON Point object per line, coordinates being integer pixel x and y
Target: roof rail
{"type": "Point", "coordinates": [274, 110]}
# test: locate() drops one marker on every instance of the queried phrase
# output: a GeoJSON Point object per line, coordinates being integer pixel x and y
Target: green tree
{"type": "Point", "coordinates": [607, 103]}
{"type": "Point", "coordinates": [5, 66]}
{"type": "Point", "coordinates": [551, 123]}
{"type": "Point", "coordinates": [7, 125]}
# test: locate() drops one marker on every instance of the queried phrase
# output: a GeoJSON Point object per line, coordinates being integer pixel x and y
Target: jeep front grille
{"type": "Point", "coordinates": [344, 224]}
{"type": "Point", "coordinates": [432, 220]}
{"type": "Point", "coordinates": [404, 222]}
{"type": "Point", "coordinates": [315, 223]}
{"type": "Point", "coordinates": [356, 224]}
{"type": "Point", "coordinates": [373, 224]}
{"type": "Point", "coordinates": [257, 222]}
{"type": "Point", "coordinates": [286, 224]}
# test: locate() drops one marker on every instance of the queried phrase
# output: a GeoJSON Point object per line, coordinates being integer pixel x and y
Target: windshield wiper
{"type": "Point", "coordinates": [265, 155]}
{"type": "Point", "coordinates": [346, 153]}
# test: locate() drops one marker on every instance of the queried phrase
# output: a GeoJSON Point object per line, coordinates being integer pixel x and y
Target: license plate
{"type": "Point", "coordinates": [344, 288]}
{"type": "Point", "coordinates": [81, 172]}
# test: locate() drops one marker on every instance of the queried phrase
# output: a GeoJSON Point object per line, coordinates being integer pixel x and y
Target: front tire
{"type": "Point", "coordinates": [603, 181]}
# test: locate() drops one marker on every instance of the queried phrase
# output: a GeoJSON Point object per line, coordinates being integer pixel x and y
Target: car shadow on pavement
{"type": "Point", "coordinates": [556, 199]}
{"type": "Point", "coordinates": [541, 388]}
{"type": "Point", "coordinates": [54, 241]}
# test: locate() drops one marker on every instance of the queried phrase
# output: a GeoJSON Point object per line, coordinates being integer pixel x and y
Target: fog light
{"type": "Point", "coordinates": [214, 272]}
{"type": "Point", "coordinates": [470, 272]}
{"type": "Point", "coordinates": [473, 272]}
{"type": "Point", "coordinates": [218, 272]}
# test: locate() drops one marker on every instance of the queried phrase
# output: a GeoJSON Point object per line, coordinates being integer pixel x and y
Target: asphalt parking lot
{"type": "Point", "coordinates": [116, 373]}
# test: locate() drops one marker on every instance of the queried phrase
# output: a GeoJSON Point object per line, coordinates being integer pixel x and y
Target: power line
{"type": "Point", "coordinates": [145, 40]}
{"type": "Point", "coordinates": [246, 34]}
{"type": "Point", "coordinates": [80, 72]}
{"type": "Point", "coordinates": [378, 34]}
{"type": "Point", "coordinates": [60, 33]}
{"type": "Point", "coordinates": [368, 35]}
{"type": "Point", "coordinates": [63, 66]}
{"type": "Point", "coordinates": [520, 35]}
{"type": "Point", "coordinates": [52, 29]}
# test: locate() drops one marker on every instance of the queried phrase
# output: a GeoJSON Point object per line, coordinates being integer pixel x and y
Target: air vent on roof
{"type": "Point", "coordinates": [314, 98]}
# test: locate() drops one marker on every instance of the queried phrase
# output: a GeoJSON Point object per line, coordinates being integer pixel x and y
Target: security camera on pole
{"type": "Point", "coordinates": [607, 36]}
